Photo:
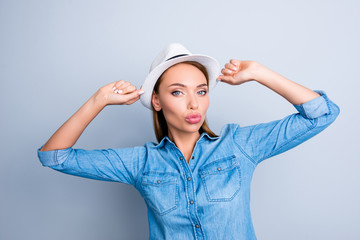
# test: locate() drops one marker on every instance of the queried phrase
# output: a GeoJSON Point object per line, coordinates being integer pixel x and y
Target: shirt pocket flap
{"type": "Point", "coordinates": [219, 166]}
{"type": "Point", "coordinates": [154, 178]}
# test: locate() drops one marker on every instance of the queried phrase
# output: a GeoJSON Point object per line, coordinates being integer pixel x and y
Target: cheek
{"type": "Point", "coordinates": [205, 104]}
{"type": "Point", "coordinates": [171, 107]}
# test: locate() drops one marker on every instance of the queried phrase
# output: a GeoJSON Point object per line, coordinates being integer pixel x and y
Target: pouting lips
{"type": "Point", "coordinates": [193, 118]}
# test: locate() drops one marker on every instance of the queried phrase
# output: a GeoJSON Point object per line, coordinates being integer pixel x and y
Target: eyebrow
{"type": "Point", "coordinates": [182, 85]}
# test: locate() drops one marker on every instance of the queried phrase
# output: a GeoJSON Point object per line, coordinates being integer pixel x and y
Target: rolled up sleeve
{"type": "Point", "coordinates": [264, 140]}
{"type": "Point", "coordinates": [316, 107]}
{"type": "Point", "coordinates": [118, 165]}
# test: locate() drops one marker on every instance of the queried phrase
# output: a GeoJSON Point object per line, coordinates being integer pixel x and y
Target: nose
{"type": "Point", "coordinates": [193, 102]}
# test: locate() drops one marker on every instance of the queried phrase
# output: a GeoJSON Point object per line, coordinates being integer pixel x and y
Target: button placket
{"type": "Point", "coordinates": [190, 189]}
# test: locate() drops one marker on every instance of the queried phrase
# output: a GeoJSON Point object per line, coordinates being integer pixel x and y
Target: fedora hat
{"type": "Point", "coordinates": [172, 54]}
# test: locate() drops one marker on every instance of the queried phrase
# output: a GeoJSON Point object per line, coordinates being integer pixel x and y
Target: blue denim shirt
{"type": "Point", "coordinates": [209, 197]}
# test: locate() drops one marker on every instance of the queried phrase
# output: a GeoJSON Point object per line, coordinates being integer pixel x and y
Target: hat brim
{"type": "Point", "coordinates": [211, 65]}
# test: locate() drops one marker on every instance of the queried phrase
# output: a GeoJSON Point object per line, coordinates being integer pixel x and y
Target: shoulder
{"type": "Point", "coordinates": [229, 129]}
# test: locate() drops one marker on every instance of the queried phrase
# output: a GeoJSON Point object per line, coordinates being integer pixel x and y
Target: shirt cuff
{"type": "Point", "coordinates": [316, 107]}
{"type": "Point", "coordinates": [53, 157]}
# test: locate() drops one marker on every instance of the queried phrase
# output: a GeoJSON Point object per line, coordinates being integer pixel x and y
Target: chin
{"type": "Point", "coordinates": [194, 127]}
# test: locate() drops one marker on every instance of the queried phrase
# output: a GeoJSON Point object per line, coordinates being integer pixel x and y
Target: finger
{"type": "Point", "coordinates": [227, 71]}
{"type": "Point", "coordinates": [132, 95]}
{"type": "Point", "coordinates": [124, 85]}
{"type": "Point", "coordinates": [120, 86]}
{"type": "Point", "coordinates": [226, 79]}
{"type": "Point", "coordinates": [231, 66]}
{"type": "Point", "coordinates": [235, 62]}
{"type": "Point", "coordinates": [128, 89]}
{"type": "Point", "coordinates": [118, 83]}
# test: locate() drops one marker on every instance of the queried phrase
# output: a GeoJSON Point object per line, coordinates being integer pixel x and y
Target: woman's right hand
{"type": "Point", "coordinates": [67, 135]}
{"type": "Point", "coordinates": [118, 93]}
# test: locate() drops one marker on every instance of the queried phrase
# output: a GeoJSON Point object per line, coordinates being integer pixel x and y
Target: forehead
{"type": "Point", "coordinates": [184, 73]}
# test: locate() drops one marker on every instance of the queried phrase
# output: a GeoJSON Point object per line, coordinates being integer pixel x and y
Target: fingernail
{"type": "Point", "coordinates": [141, 92]}
{"type": "Point", "coordinates": [116, 91]}
{"type": "Point", "coordinates": [119, 91]}
{"type": "Point", "coordinates": [114, 88]}
{"type": "Point", "coordinates": [234, 68]}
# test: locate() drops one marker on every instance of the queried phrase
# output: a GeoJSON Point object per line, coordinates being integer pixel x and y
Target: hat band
{"type": "Point", "coordinates": [180, 55]}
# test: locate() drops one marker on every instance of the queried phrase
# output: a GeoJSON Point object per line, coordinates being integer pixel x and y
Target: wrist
{"type": "Point", "coordinates": [259, 72]}
{"type": "Point", "coordinates": [99, 99]}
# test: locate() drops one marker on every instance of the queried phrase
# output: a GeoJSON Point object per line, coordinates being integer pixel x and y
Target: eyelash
{"type": "Point", "coordinates": [199, 91]}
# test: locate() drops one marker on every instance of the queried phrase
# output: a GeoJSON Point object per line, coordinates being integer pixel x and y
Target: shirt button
{"type": "Point", "coordinates": [189, 178]}
{"type": "Point", "coordinates": [181, 158]}
{"type": "Point", "coordinates": [191, 202]}
{"type": "Point", "coordinates": [158, 181]}
{"type": "Point", "coordinates": [219, 168]}
{"type": "Point", "coordinates": [197, 225]}
{"type": "Point", "coordinates": [192, 157]}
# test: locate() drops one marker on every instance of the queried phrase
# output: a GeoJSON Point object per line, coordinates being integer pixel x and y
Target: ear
{"type": "Point", "coordinates": [155, 101]}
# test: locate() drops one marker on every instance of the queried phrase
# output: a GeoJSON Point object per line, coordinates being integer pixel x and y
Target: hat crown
{"type": "Point", "coordinates": [170, 51]}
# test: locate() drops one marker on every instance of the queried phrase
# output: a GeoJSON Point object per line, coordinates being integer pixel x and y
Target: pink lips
{"type": "Point", "coordinates": [193, 118]}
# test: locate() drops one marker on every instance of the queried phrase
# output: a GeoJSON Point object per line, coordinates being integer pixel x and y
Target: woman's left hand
{"type": "Point", "coordinates": [237, 72]}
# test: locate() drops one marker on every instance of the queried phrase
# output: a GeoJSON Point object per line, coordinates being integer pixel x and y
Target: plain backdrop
{"type": "Point", "coordinates": [55, 54]}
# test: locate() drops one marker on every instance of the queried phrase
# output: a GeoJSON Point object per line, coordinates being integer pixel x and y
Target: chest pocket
{"type": "Point", "coordinates": [161, 191]}
{"type": "Point", "coordinates": [221, 179]}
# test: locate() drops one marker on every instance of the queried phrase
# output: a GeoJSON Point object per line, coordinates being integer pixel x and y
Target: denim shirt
{"type": "Point", "coordinates": [209, 197]}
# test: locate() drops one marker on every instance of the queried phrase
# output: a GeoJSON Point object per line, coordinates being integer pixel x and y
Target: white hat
{"type": "Point", "coordinates": [172, 54]}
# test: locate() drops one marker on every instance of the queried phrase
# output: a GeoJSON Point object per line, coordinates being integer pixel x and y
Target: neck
{"type": "Point", "coordinates": [184, 141]}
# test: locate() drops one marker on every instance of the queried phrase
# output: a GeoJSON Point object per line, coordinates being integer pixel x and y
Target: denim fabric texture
{"type": "Point", "coordinates": [209, 197]}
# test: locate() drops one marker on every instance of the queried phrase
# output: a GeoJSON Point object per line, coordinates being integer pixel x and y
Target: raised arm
{"type": "Point", "coordinates": [237, 72]}
{"type": "Point", "coordinates": [262, 141]}
{"type": "Point", "coordinates": [119, 93]}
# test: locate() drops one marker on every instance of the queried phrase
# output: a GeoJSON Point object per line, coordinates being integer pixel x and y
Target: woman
{"type": "Point", "coordinates": [196, 184]}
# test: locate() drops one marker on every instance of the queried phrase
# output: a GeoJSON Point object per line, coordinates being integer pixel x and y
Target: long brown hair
{"type": "Point", "coordinates": [160, 125]}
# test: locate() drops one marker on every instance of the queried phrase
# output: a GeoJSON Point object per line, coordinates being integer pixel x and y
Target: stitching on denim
{"type": "Point", "coordinates": [56, 157]}
{"type": "Point", "coordinates": [187, 198]}
{"type": "Point", "coordinates": [195, 202]}
{"type": "Point", "coordinates": [221, 199]}
{"type": "Point", "coordinates": [127, 171]}
{"type": "Point", "coordinates": [247, 156]}
{"type": "Point", "coordinates": [292, 139]}
{"type": "Point", "coordinates": [93, 175]}
{"type": "Point", "coordinates": [243, 152]}
{"type": "Point", "coordinates": [327, 103]}
{"type": "Point", "coordinates": [137, 176]}
{"type": "Point", "coordinates": [303, 110]}
{"type": "Point", "coordinates": [152, 204]}
{"type": "Point", "coordinates": [176, 202]}
{"type": "Point", "coordinates": [202, 169]}
{"type": "Point", "coordinates": [141, 169]}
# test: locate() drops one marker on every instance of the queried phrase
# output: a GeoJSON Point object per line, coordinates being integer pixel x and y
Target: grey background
{"type": "Point", "coordinates": [55, 54]}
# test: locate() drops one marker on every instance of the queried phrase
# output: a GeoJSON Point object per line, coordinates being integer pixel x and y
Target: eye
{"type": "Point", "coordinates": [176, 93]}
{"type": "Point", "coordinates": [202, 92]}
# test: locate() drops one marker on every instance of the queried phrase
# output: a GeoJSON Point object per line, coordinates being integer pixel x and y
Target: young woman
{"type": "Point", "coordinates": [196, 184]}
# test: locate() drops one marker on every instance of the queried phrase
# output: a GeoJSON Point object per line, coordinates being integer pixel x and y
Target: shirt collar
{"type": "Point", "coordinates": [167, 139]}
